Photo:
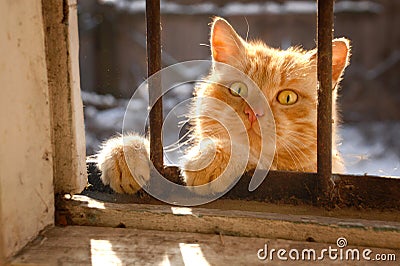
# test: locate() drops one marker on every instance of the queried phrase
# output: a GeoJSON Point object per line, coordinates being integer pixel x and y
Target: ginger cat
{"type": "Point", "coordinates": [287, 79]}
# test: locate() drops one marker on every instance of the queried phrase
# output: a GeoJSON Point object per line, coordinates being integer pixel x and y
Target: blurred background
{"type": "Point", "coordinates": [113, 62]}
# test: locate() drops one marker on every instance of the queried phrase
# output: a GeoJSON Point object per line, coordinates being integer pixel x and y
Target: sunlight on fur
{"type": "Point", "coordinates": [287, 79]}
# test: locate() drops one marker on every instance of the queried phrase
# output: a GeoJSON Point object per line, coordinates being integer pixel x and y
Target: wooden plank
{"type": "Point", "coordinates": [82, 210]}
{"type": "Point", "coordinates": [79, 245]}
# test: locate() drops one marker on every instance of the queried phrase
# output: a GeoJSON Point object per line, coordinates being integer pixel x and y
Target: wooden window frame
{"type": "Point", "coordinates": [357, 201]}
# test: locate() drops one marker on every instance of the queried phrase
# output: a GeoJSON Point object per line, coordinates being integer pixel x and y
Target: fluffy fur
{"type": "Point", "coordinates": [274, 71]}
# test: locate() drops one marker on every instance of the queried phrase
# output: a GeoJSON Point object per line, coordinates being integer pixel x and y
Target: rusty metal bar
{"type": "Point", "coordinates": [324, 75]}
{"type": "Point", "coordinates": [154, 65]}
{"type": "Point", "coordinates": [360, 191]}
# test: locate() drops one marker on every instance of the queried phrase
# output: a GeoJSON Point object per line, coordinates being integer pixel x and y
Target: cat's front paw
{"type": "Point", "coordinates": [124, 163]}
{"type": "Point", "coordinates": [206, 169]}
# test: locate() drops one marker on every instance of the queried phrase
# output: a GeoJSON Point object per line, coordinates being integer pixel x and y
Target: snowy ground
{"type": "Point", "coordinates": [372, 148]}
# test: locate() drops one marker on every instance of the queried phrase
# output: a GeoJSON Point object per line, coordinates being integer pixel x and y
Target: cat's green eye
{"type": "Point", "coordinates": [238, 89]}
{"type": "Point", "coordinates": [287, 97]}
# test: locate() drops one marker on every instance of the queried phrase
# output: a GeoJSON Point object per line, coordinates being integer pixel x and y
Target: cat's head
{"type": "Point", "coordinates": [287, 79]}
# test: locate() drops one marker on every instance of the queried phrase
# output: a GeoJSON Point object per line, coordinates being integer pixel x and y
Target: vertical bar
{"type": "Point", "coordinates": [324, 75]}
{"type": "Point", "coordinates": [154, 65]}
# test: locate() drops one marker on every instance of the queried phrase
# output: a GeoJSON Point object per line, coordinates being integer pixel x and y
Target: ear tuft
{"type": "Point", "coordinates": [226, 45]}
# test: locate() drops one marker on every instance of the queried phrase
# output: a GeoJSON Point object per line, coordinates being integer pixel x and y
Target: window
{"type": "Point", "coordinates": [371, 194]}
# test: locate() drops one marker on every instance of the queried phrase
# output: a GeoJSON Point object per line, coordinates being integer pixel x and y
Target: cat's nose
{"type": "Point", "coordinates": [252, 116]}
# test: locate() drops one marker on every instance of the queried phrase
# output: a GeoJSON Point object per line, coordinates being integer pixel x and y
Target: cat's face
{"type": "Point", "coordinates": [287, 79]}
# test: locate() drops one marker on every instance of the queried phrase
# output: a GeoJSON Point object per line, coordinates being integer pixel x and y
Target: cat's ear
{"type": "Point", "coordinates": [340, 57]}
{"type": "Point", "coordinates": [226, 45]}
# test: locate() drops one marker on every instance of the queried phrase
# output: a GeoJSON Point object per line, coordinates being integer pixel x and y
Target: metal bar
{"type": "Point", "coordinates": [154, 65]}
{"type": "Point", "coordinates": [359, 191]}
{"type": "Point", "coordinates": [324, 75]}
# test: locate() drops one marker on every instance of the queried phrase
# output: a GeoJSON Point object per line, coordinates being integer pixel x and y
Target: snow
{"type": "Point", "coordinates": [371, 150]}
{"type": "Point", "coordinates": [371, 154]}
{"type": "Point", "coordinates": [250, 8]}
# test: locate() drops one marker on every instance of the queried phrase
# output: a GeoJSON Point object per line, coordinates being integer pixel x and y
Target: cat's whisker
{"type": "Point", "coordinates": [292, 155]}
{"type": "Point", "coordinates": [307, 160]}
{"type": "Point", "coordinates": [300, 141]}
{"type": "Point", "coordinates": [300, 160]}
{"type": "Point", "coordinates": [298, 151]}
{"type": "Point", "coordinates": [248, 28]}
{"type": "Point", "coordinates": [183, 122]}
{"type": "Point", "coordinates": [299, 144]}
{"type": "Point", "coordinates": [277, 157]}
{"type": "Point", "coordinates": [178, 144]}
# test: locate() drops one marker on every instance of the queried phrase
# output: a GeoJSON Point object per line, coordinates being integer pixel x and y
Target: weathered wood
{"type": "Point", "coordinates": [82, 210]}
{"type": "Point", "coordinates": [68, 131]}
{"type": "Point", "coordinates": [75, 245]}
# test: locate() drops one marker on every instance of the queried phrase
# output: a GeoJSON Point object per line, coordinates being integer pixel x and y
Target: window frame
{"type": "Point", "coordinates": [343, 196]}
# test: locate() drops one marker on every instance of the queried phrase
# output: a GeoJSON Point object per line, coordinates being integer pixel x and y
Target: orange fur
{"type": "Point", "coordinates": [273, 71]}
